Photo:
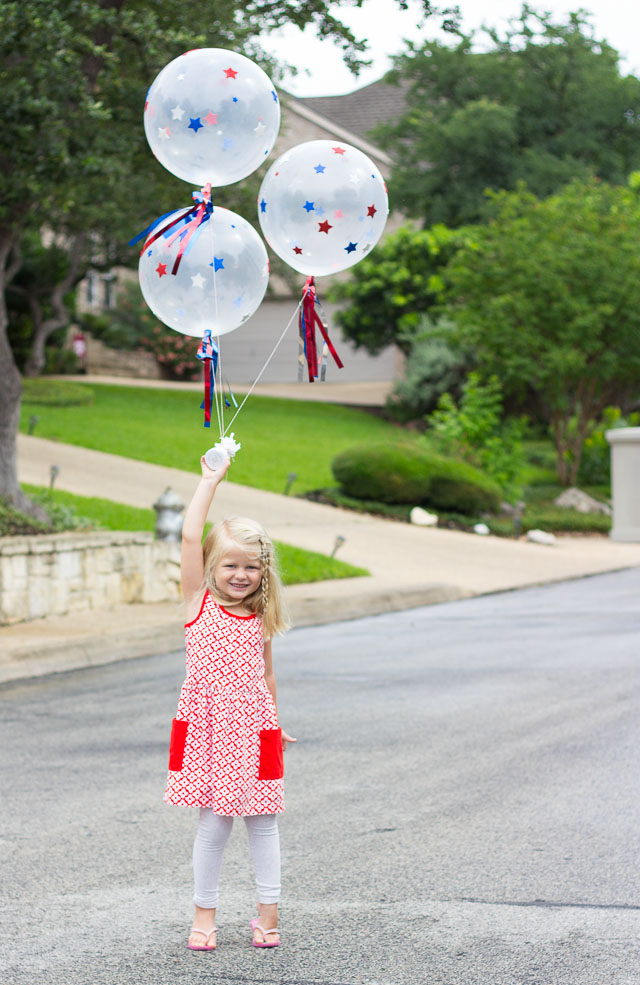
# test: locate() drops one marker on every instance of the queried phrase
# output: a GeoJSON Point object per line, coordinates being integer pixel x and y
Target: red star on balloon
{"type": "Point", "coordinates": [297, 249]}
{"type": "Point", "coordinates": [211, 118]}
{"type": "Point", "coordinates": [161, 269]}
{"type": "Point", "coordinates": [338, 150]}
{"type": "Point", "coordinates": [371, 211]}
{"type": "Point", "coordinates": [230, 73]}
{"type": "Point", "coordinates": [324, 227]}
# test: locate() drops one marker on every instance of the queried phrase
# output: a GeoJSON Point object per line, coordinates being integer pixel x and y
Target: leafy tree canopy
{"type": "Point", "coordinates": [548, 295]}
{"type": "Point", "coordinates": [387, 292]}
{"type": "Point", "coordinates": [73, 155]}
{"type": "Point", "coordinates": [545, 104]}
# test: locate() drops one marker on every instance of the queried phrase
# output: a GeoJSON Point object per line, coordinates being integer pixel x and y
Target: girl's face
{"type": "Point", "coordinates": [237, 575]}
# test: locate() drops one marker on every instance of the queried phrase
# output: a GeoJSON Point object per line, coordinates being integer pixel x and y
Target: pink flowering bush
{"type": "Point", "coordinates": [175, 353]}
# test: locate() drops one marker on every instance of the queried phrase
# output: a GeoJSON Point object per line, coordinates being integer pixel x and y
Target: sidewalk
{"type": "Point", "coordinates": [410, 566]}
{"type": "Point", "coordinates": [353, 394]}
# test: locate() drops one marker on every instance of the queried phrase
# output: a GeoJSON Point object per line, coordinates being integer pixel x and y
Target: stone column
{"type": "Point", "coordinates": [625, 483]}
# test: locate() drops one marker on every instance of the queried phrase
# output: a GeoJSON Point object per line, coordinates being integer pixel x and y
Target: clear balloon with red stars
{"type": "Point", "coordinates": [211, 115]}
{"type": "Point", "coordinates": [322, 206]}
{"type": "Point", "coordinates": [204, 276]}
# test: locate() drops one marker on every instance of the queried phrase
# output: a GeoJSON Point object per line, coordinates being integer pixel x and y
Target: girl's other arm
{"type": "Point", "coordinates": [192, 560]}
{"type": "Point", "coordinates": [270, 681]}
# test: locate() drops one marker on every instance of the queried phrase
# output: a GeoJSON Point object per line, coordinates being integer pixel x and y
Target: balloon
{"type": "Point", "coordinates": [221, 277]}
{"type": "Point", "coordinates": [211, 115]}
{"type": "Point", "coordinates": [322, 206]}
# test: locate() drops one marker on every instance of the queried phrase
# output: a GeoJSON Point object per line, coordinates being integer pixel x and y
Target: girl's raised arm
{"type": "Point", "coordinates": [192, 560]}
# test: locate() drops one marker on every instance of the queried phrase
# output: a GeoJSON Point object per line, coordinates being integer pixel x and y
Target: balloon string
{"type": "Point", "coordinates": [270, 357]}
{"type": "Point", "coordinates": [217, 387]}
{"type": "Point", "coordinates": [220, 393]}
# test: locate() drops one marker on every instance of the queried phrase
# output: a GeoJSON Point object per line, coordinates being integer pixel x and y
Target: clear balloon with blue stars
{"type": "Point", "coordinates": [323, 206]}
{"type": "Point", "coordinates": [211, 115]}
{"type": "Point", "coordinates": [204, 275]}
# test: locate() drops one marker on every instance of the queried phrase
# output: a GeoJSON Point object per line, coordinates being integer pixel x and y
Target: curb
{"type": "Point", "coordinates": [94, 639]}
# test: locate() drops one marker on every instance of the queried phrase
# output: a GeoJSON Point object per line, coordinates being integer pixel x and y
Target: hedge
{"type": "Point", "coordinates": [405, 473]}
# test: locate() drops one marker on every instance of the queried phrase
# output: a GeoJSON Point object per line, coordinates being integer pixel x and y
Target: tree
{"type": "Point", "coordinates": [73, 158]}
{"type": "Point", "coordinates": [545, 104]}
{"type": "Point", "coordinates": [435, 365]}
{"type": "Point", "coordinates": [388, 292]}
{"type": "Point", "coordinates": [548, 295]}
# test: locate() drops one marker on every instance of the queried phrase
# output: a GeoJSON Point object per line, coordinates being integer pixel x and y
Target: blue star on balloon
{"type": "Point", "coordinates": [235, 99]}
{"type": "Point", "coordinates": [263, 206]}
{"type": "Point", "coordinates": [195, 124]}
{"type": "Point", "coordinates": [319, 169]}
{"type": "Point", "coordinates": [218, 264]}
{"type": "Point", "coordinates": [351, 247]}
{"type": "Point", "coordinates": [309, 206]}
{"type": "Point", "coordinates": [238, 301]}
{"type": "Point", "coordinates": [275, 98]}
{"type": "Point", "coordinates": [319, 210]}
{"type": "Point", "coordinates": [227, 143]}
{"type": "Point", "coordinates": [149, 253]}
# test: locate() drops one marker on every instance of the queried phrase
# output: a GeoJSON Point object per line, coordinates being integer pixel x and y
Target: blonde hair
{"type": "Point", "coordinates": [268, 599]}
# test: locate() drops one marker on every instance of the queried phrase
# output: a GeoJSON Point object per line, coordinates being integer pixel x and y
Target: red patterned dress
{"type": "Point", "coordinates": [226, 747]}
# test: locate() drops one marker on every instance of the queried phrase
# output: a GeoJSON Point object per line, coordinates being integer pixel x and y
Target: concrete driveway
{"type": "Point", "coordinates": [462, 807]}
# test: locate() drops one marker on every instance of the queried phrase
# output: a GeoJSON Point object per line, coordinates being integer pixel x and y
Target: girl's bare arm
{"type": "Point", "coordinates": [192, 560]}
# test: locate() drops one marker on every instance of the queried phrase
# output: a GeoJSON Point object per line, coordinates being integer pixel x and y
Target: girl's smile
{"type": "Point", "coordinates": [236, 575]}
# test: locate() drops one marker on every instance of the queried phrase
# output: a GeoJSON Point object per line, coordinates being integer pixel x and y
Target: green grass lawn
{"type": "Point", "coordinates": [165, 427]}
{"type": "Point", "coordinates": [278, 437]}
{"type": "Point", "coordinates": [296, 565]}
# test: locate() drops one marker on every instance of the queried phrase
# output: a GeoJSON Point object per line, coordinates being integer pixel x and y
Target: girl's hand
{"type": "Point", "coordinates": [286, 738]}
{"type": "Point", "coordinates": [214, 475]}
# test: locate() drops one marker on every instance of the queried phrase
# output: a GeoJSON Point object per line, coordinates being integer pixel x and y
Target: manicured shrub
{"type": "Point", "coordinates": [385, 472]}
{"type": "Point", "coordinates": [55, 393]}
{"type": "Point", "coordinates": [405, 473]}
{"type": "Point", "coordinates": [461, 488]}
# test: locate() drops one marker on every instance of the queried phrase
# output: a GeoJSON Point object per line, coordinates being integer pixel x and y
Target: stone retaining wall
{"type": "Point", "coordinates": [59, 574]}
{"type": "Point", "coordinates": [112, 362]}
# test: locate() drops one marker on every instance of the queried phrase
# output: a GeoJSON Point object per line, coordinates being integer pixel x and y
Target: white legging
{"type": "Point", "coordinates": [208, 849]}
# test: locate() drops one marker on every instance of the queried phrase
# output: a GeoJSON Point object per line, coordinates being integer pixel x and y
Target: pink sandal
{"type": "Point", "coordinates": [206, 935]}
{"type": "Point", "coordinates": [255, 925]}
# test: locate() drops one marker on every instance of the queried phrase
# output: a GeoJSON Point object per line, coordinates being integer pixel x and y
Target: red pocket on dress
{"type": "Point", "coordinates": [271, 758]}
{"type": "Point", "coordinates": [176, 746]}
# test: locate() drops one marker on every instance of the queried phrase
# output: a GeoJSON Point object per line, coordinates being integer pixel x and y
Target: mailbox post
{"type": "Point", "coordinates": [625, 483]}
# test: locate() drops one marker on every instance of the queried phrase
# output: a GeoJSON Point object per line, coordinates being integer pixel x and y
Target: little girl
{"type": "Point", "coordinates": [226, 747]}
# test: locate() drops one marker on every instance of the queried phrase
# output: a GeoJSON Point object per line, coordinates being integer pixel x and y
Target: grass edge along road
{"type": "Point", "coordinates": [279, 437]}
{"type": "Point", "coordinates": [297, 565]}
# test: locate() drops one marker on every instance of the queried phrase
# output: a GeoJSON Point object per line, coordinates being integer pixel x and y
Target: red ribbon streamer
{"type": "Point", "coordinates": [308, 321]}
{"type": "Point", "coordinates": [208, 354]}
{"type": "Point", "coordinates": [198, 213]}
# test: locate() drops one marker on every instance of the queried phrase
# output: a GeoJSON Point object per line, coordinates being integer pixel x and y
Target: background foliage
{"type": "Point", "coordinates": [545, 104]}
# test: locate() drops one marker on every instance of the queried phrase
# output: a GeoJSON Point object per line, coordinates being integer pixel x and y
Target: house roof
{"type": "Point", "coordinates": [360, 111]}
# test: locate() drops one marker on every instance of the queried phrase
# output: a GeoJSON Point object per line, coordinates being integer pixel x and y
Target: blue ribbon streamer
{"type": "Point", "coordinates": [149, 229]}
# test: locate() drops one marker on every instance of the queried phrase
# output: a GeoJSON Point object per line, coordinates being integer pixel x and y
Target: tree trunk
{"type": "Point", "coordinates": [11, 389]}
{"type": "Point", "coordinates": [569, 439]}
{"type": "Point", "coordinates": [43, 328]}
{"type": "Point", "coordinates": [577, 446]}
{"type": "Point", "coordinates": [559, 430]}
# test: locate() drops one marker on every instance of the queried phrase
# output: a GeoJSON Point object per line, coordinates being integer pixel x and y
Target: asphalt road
{"type": "Point", "coordinates": [462, 807]}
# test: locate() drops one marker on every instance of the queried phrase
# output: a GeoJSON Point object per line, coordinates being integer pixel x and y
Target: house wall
{"type": "Point", "coordinates": [245, 351]}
